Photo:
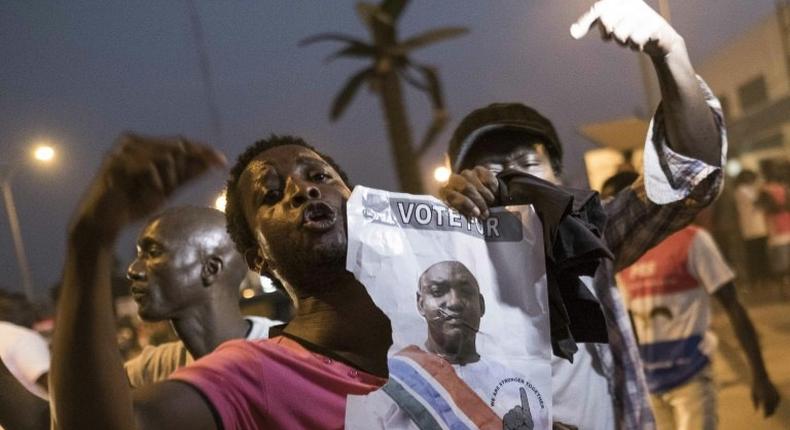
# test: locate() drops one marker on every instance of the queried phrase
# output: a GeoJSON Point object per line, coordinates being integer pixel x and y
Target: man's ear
{"type": "Point", "coordinates": [253, 259]}
{"type": "Point", "coordinates": [482, 305]}
{"type": "Point", "coordinates": [419, 304]}
{"type": "Point", "coordinates": [211, 270]}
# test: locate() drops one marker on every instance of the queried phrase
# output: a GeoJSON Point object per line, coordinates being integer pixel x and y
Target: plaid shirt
{"type": "Point", "coordinates": [672, 190]}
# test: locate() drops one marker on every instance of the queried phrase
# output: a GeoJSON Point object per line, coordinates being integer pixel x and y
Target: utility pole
{"type": "Point", "coordinates": [16, 233]}
{"type": "Point", "coordinates": [204, 65]}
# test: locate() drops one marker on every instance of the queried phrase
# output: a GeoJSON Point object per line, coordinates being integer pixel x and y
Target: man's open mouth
{"type": "Point", "coordinates": [318, 216]}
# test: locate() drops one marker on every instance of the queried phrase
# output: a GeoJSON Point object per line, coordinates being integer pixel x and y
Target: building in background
{"type": "Point", "coordinates": [750, 74]}
{"type": "Point", "coordinates": [751, 77]}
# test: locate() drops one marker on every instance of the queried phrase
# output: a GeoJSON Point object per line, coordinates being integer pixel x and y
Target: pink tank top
{"type": "Point", "coordinates": [276, 384]}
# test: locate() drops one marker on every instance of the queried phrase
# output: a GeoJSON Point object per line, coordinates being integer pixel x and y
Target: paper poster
{"type": "Point", "coordinates": [468, 305]}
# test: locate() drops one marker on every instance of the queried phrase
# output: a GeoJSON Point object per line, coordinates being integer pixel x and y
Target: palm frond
{"type": "Point", "coordinates": [354, 50]}
{"type": "Point", "coordinates": [348, 91]}
{"type": "Point", "coordinates": [411, 79]}
{"type": "Point", "coordinates": [427, 82]}
{"type": "Point", "coordinates": [440, 117]}
{"type": "Point", "coordinates": [330, 37]}
{"type": "Point", "coordinates": [429, 37]}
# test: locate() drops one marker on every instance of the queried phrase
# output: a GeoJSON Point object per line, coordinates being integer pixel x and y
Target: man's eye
{"type": "Point", "coordinates": [154, 251]}
{"type": "Point", "coordinates": [437, 291]}
{"type": "Point", "coordinates": [493, 168]}
{"type": "Point", "coordinates": [321, 177]}
{"type": "Point", "coordinates": [528, 161]}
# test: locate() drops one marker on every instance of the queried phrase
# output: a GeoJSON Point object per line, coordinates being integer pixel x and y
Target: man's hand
{"type": "Point", "coordinates": [631, 23]}
{"type": "Point", "coordinates": [471, 192]}
{"type": "Point", "coordinates": [764, 394]}
{"type": "Point", "coordinates": [520, 417]}
{"type": "Point", "coordinates": [137, 177]}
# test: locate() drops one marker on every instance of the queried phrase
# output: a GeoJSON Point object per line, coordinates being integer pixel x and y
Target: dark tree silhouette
{"type": "Point", "coordinates": [390, 65]}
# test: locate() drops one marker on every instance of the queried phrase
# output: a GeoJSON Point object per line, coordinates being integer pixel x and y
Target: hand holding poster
{"type": "Point", "coordinates": [469, 311]}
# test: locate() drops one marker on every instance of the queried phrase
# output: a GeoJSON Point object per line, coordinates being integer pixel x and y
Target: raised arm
{"type": "Point", "coordinates": [685, 144]}
{"type": "Point", "coordinates": [88, 383]}
{"type": "Point", "coordinates": [690, 125]}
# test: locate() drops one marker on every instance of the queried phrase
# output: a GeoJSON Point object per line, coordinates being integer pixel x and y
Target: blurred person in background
{"type": "Point", "coordinates": [24, 365]}
{"type": "Point", "coordinates": [752, 223]}
{"type": "Point", "coordinates": [775, 201]}
{"type": "Point", "coordinates": [667, 294]}
{"type": "Point", "coordinates": [23, 350]}
{"type": "Point", "coordinates": [128, 335]}
{"type": "Point", "coordinates": [188, 271]}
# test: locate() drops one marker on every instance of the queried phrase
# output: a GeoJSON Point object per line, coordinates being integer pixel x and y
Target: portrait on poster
{"type": "Point", "coordinates": [469, 311]}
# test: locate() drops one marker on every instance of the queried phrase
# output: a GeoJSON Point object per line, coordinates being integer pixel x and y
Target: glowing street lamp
{"type": "Point", "coordinates": [441, 174]}
{"type": "Point", "coordinates": [221, 201]}
{"type": "Point", "coordinates": [44, 153]}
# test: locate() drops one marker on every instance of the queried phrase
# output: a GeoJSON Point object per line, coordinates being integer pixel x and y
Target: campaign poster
{"type": "Point", "coordinates": [467, 299]}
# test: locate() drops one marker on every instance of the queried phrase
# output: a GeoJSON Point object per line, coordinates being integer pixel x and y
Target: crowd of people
{"type": "Point", "coordinates": [644, 365]}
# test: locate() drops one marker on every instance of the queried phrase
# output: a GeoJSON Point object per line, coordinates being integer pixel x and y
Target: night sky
{"type": "Point", "coordinates": [80, 72]}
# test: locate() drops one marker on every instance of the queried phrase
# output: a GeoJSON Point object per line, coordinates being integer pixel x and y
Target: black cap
{"type": "Point", "coordinates": [498, 116]}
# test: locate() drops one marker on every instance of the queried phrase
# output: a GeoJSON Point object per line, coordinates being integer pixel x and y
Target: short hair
{"type": "Point", "coordinates": [746, 176]}
{"type": "Point", "coordinates": [456, 265]}
{"type": "Point", "coordinates": [238, 228]}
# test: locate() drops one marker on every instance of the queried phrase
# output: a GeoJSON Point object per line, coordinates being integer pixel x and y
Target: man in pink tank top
{"type": "Point", "coordinates": [286, 216]}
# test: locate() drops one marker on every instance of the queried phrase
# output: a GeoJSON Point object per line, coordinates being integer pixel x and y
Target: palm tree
{"type": "Point", "coordinates": [391, 63]}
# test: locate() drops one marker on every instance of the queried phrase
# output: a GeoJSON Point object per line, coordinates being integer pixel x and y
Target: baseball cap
{"type": "Point", "coordinates": [498, 116]}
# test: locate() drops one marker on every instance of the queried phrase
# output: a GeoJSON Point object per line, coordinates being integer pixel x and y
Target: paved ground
{"type": "Point", "coordinates": [771, 315]}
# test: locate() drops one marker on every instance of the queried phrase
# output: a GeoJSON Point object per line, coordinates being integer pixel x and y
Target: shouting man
{"type": "Point", "coordinates": [285, 213]}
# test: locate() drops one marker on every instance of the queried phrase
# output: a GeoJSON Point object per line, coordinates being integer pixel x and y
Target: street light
{"type": "Point", "coordinates": [42, 153]}
{"type": "Point", "coordinates": [221, 201]}
{"type": "Point", "coordinates": [441, 174]}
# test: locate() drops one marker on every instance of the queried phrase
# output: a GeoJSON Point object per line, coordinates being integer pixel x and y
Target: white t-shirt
{"type": "Point", "coordinates": [751, 218]}
{"type": "Point", "coordinates": [156, 363]}
{"type": "Point", "coordinates": [26, 354]}
{"type": "Point", "coordinates": [667, 291]}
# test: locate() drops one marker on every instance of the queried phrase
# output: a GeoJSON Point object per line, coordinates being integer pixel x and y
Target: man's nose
{"type": "Point", "coordinates": [302, 191]}
{"type": "Point", "coordinates": [454, 301]}
{"type": "Point", "coordinates": [135, 271]}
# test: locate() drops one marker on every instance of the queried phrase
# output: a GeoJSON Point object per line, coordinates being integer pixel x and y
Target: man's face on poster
{"type": "Point", "coordinates": [450, 301]}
